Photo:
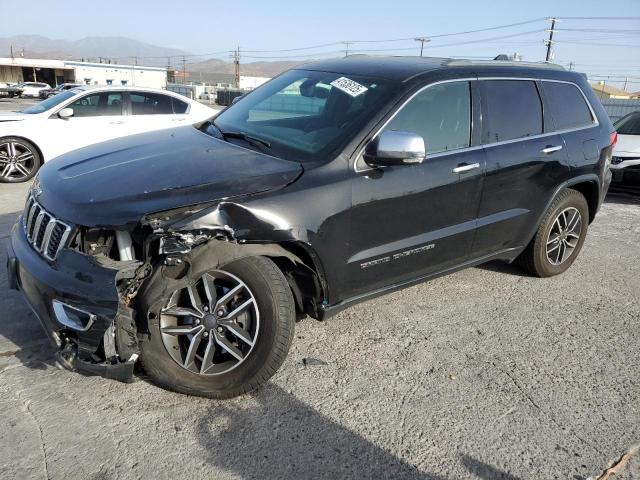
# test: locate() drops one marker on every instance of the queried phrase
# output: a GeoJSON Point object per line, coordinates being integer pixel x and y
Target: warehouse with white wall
{"type": "Point", "coordinates": [55, 72]}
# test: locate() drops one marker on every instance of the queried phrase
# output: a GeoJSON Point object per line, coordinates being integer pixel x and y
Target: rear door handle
{"type": "Point", "coordinates": [551, 149]}
{"type": "Point", "coordinates": [116, 122]}
{"type": "Point", "coordinates": [465, 167]}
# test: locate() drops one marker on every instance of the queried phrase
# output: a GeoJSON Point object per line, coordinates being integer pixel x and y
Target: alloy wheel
{"type": "Point", "coordinates": [564, 235]}
{"type": "Point", "coordinates": [17, 160]}
{"type": "Point", "coordinates": [211, 326]}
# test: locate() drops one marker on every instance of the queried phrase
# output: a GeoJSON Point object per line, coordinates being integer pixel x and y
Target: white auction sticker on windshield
{"type": "Point", "coordinates": [349, 86]}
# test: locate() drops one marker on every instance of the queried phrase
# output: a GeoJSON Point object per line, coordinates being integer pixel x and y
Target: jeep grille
{"type": "Point", "coordinates": [46, 234]}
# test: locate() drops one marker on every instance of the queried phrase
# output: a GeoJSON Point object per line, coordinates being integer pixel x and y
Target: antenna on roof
{"type": "Point", "coordinates": [503, 57]}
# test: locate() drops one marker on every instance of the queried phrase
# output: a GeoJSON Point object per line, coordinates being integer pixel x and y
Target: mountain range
{"type": "Point", "coordinates": [128, 50]}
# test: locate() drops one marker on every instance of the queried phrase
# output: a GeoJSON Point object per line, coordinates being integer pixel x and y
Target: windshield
{"type": "Point", "coordinates": [305, 115]}
{"type": "Point", "coordinates": [51, 102]}
{"type": "Point", "coordinates": [629, 125]}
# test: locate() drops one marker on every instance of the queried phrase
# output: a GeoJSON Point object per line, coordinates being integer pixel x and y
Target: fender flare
{"type": "Point", "coordinates": [589, 177]}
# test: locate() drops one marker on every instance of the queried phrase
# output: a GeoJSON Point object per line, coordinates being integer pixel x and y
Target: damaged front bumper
{"type": "Point", "coordinates": [77, 302]}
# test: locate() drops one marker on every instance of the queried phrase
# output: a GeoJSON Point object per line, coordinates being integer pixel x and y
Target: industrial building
{"type": "Point", "coordinates": [55, 72]}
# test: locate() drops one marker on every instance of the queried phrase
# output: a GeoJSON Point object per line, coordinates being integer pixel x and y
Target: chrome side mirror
{"type": "Point", "coordinates": [65, 113]}
{"type": "Point", "coordinates": [395, 147]}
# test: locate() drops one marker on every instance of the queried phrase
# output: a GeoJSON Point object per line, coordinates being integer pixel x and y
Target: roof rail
{"type": "Point", "coordinates": [507, 63]}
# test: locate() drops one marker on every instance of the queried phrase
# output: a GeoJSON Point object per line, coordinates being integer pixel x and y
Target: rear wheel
{"type": "Point", "coordinates": [19, 160]}
{"type": "Point", "coordinates": [224, 334]}
{"type": "Point", "coordinates": [560, 236]}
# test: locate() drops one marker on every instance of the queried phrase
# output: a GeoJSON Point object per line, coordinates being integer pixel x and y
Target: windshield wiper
{"type": "Point", "coordinates": [247, 138]}
{"type": "Point", "coordinates": [242, 136]}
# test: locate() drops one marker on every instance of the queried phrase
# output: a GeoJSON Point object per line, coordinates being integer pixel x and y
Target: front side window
{"type": "Point", "coordinates": [629, 125]}
{"type": "Point", "coordinates": [308, 115]}
{"type": "Point", "coordinates": [567, 105]}
{"type": "Point", "coordinates": [143, 103]}
{"type": "Point", "coordinates": [440, 114]}
{"type": "Point", "coordinates": [513, 110]}
{"type": "Point", "coordinates": [98, 104]}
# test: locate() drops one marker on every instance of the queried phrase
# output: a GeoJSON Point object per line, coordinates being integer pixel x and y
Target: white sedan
{"type": "Point", "coordinates": [625, 163]}
{"type": "Point", "coordinates": [32, 89]}
{"type": "Point", "coordinates": [84, 116]}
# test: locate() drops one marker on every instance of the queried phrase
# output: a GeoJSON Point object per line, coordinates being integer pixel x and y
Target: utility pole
{"type": "Point", "coordinates": [346, 51]}
{"type": "Point", "coordinates": [184, 69]}
{"type": "Point", "coordinates": [421, 40]}
{"type": "Point", "coordinates": [626, 79]}
{"type": "Point", "coordinates": [236, 62]}
{"type": "Point", "coordinates": [549, 42]}
{"type": "Point", "coordinates": [11, 51]}
{"type": "Point", "coordinates": [571, 66]}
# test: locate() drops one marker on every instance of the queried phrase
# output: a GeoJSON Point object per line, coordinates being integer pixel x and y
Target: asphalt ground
{"type": "Point", "coordinates": [483, 374]}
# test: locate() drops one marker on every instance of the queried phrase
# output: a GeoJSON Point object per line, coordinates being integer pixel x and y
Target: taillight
{"type": "Point", "coordinates": [613, 138]}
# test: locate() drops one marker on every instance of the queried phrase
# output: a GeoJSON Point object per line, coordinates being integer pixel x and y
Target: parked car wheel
{"type": "Point", "coordinates": [224, 334]}
{"type": "Point", "coordinates": [19, 160]}
{"type": "Point", "coordinates": [560, 236]}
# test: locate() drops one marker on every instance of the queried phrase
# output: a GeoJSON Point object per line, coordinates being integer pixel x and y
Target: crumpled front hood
{"type": "Point", "coordinates": [115, 183]}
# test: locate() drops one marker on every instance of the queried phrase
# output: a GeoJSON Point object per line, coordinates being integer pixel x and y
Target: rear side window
{"type": "Point", "coordinates": [440, 114]}
{"type": "Point", "coordinates": [179, 106]}
{"type": "Point", "coordinates": [150, 104]}
{"type": "Point", "coordinates": [514, 110]}
{"type": "Point", "coordinates": [567, 105]}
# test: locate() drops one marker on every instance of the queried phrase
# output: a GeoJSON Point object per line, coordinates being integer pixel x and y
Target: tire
{"type": "Point", "coordinates": [276, 314]}
{"type": "Point", "coordinates": [550, 253]}
{"type": "Point", "coordinates": [21, 171]}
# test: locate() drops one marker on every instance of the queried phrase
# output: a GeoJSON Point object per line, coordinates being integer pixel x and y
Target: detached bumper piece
{"type": "Point", "coordinates": [67, 358]}
{"type": "Point", "coordinates": [77, 303]}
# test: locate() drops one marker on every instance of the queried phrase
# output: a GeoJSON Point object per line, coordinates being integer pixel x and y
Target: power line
{"type": "Point", "coordinates": [311, 55]}
{"type": "Point", "coordinates": [599, 44]}
{"type": "Point", "coordinates": [596, 30]}
{"type": "Point", "coordinates": [526, 22]}
{"type": "Point", "coordinates": [598, 18]}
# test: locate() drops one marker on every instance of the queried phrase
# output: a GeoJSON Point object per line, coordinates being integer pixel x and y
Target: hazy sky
{"type": "Point", "coordinates": [200, 26]}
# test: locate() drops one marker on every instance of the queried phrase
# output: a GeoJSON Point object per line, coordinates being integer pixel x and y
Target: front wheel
{"type": "Point", "coordinates": [560, 236]}
{"type": "Point", "coordinates": [19, 160]}
{"type": "Point", "coordinates": [224, 334]}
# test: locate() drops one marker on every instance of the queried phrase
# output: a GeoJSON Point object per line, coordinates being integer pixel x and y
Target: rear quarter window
{"type": "Point", "coordinates": [567, 105]}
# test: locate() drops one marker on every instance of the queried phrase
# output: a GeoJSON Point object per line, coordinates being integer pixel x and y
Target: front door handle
{"type": "Point", "coordinates": [551, 148]}
{"type": "Point", "coordinates": [465, 167]}
{"type": "Point", "coordinates": [116, 122]}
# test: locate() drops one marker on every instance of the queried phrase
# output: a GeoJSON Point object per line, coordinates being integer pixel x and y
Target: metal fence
{"type": "Point", "coordinates": [618, 108]}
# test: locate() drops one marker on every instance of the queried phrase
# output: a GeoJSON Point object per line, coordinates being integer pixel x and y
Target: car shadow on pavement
{"type": "Point", "coordinates": [275, 435]}
{"type": "Point", "coordinates": [503, 267]}
{"type": "Point", "coordinates": [622, 198]}
{"type": "Point", "coordinates": [485, 471]}
{"type": "Point", "coordinates": [282, 437]}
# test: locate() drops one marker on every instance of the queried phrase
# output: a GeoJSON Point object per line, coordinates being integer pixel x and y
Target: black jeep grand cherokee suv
{"type": "Point", "coordinates": [196, 248]}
